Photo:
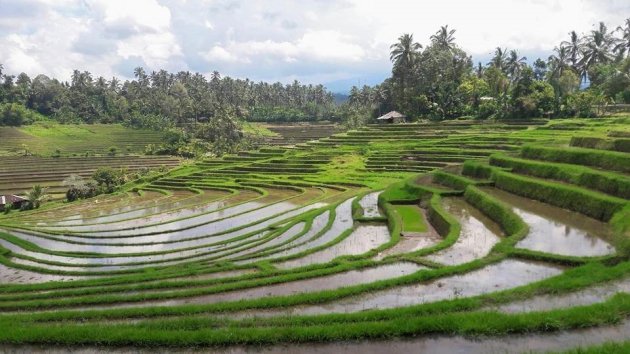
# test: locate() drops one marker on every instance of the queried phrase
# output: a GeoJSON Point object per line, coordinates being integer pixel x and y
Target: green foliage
{"type": "Point", "coordinates": [584, 104]}
{"type": "Point", "coordinates": [158, 101]}
{"type": "Point", "coordinates": [15, 114]}
{"type": "Point", "coordinates": [36, 197]}
{"type": "Point", "coordinates": [109, 179]}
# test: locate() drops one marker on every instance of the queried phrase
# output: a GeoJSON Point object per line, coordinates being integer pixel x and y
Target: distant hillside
{"type": "Point", "coordinates": [340, 98]}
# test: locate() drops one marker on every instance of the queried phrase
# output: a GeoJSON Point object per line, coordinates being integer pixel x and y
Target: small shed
{"type": "Point", "coordinates": [12, 199]}
{"type": "Point", "coordinates": [392, 118]}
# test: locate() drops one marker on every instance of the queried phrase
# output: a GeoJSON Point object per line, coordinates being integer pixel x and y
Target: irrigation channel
{"type": "Point", "coordinates": [451, 237]}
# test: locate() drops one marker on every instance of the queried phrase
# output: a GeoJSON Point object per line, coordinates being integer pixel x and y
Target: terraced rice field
{"type": "Point", "coordinates": [396, 238]}
{"type": "Point", "coordinates": [45, 138]}
{"type": "Point", "coordinates": [288, 134]}
{"type": "Point", "coordinates": [19, 174]}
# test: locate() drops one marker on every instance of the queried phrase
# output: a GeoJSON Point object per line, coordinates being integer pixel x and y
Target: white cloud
{"type": "Point", "coordinates": [307, 40]}
{"type": "Point", "coordinates": [140, 13]}
{"type": "Point", "coordinates": [327, 46]}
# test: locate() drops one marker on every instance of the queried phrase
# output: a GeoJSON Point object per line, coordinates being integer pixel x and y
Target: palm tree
{"type": "Point", "coordinates": [514, 64]}
{"type": "Point", "coordinates": [479, 71]}
{"type": "Point", "coordinates": [444, 38]}
{"type": "Point", "coordinates": [36, 196]}
{"type": "Point", "coordinates": [596, 50]}
{"type": "Point", "coordinates": [574, 47]}
{"type": "Point", "coordinates": [403, 53]}
{"type": "Point", "coordinates": [558, 62]}
{"type": "Point", "coordinates": [623, 44]}
{"type": "Point", "coordinates": [499, 59]}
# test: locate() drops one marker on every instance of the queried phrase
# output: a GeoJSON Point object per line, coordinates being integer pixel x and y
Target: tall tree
{"type": "Point", "coordinates": [622, 45]}
{"type": "Point", "coordinates": [596, 49]}
{"type": "Point", "coordinates": [444, 38]}
{"type": "Point", "coordinates": [574, 48]}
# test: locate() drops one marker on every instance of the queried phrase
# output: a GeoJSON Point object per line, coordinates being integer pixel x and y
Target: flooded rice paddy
{"type": "Point", "coordinates": [477, 236]}
{"type": "Point", "coordinates": [556, 230]}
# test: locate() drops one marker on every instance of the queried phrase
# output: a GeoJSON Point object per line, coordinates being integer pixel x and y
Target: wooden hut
{"type": "Point", "coordinates": [392, 117]}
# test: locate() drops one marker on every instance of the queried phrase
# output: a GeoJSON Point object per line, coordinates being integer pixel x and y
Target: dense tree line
{"type": "Point", "coordinates": [439, 81]}
{"type": "Point", "coordinates": [156, 100]}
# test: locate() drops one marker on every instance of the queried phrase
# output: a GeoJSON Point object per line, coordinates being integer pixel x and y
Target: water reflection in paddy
{"type": "Point", "coordinates": [363, 239]}
{"type": "Point", "coordinates": [477, 236]}
{"type": "Point", "coordinates": [335, 281]}
{"type": "Point", "coordinates": [369, 203]}
{"type": "Point", "coordinates": [588, 296]}
{"type": "Point", "coordinates": [556, 230]}
{"type": "Point", "coordinates": [495, 277]}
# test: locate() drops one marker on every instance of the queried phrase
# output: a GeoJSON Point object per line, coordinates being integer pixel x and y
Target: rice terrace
{"type": "Point", "coordinates": [452, 208]}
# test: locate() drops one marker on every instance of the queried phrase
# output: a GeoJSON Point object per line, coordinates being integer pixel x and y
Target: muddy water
{"type": "Point", "coordinates": [529, 343]}
{"type": "Point", "coordinates": [284, 237]}
{"type": "Point", "coordinates": [330, 282]}
{"type": "Point", "coordinates": [369, 203]}
{"type": "Point", "coordinates": [20, 276]}
{"type": "Point", "coordinates": [318, 224]}
{"type": "Point", "coordinates": [363, 239]}
{"type": "Point", "coordinates": [504, 275]}
{"type": "Point", "coordinates": [343, 221]}
{"type": "Point", "coordinates": [556, 230]}
{"type": "Point", "coordinates": [94, 205]}
{"type": "Point", "coordinates": [477, 237]}
{"type": "Point", "coordinates": [413, 243]}
{"type": "Point", "coordinates": [205, 202]}
{"type": "Point", "coordinates": [207, 276]}
{"type": "Point", "coordinates": [195, 221]}
{"type": "Point", "coordinates": [101, 207]}
{"type": "Point", "coordinates": [588, 296]}
{"type": "Point", "coordinates": [156, 214]}
{"type": "Point", "coordinates": [171, 248]}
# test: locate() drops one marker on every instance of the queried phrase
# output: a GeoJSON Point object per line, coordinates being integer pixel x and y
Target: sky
{"type": "Point", "coordinates": [338, 43]}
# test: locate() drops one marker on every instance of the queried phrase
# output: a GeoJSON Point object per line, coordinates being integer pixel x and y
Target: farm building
{"type": "Point", "coordinates": [392, 117]}
{"type": "Point", "coordinates": [12, 199]}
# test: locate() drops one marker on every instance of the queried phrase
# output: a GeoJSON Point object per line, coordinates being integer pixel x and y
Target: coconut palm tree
{"type": "Point", "coordinates": [622, 45]}
{"type": "Point", "coordinates": [444, 38]}
{"type": "Point", "coordinates": [36, 196]}
{"type": "Point", "coordinates": [596, 49]}
{"type": "Point", "coordinates": [479, 70]}
{"type": "Point", "coordinates": [514, 64]}
{"type": "Point", "coordinates": [404, 53]}
{"type": "Point", "coordinates": [499, 59]}
{"type": "Point", "coordinates": [574, 47]}
{"type": "Point", "coordinates": [559, 61]}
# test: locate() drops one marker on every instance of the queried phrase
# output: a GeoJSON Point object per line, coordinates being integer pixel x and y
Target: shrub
{"type": "Point", "coordinates": [112, 151]}
{"type": "Point", "coordinates": [108, 178]}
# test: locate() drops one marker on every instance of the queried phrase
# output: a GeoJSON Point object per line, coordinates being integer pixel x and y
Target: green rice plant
{"type": "Point", "coordinates": [610, 160]}
{"type": "Point", "coordinates": [593, 204]}
{"type": "Point", "coordinates": [608, 182]}
{"type": "Point", "coordinates": [452, 180]}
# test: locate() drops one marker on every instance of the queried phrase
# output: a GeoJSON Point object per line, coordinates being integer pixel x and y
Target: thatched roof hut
{"type": "Point", "coordinates": [392, 117]}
